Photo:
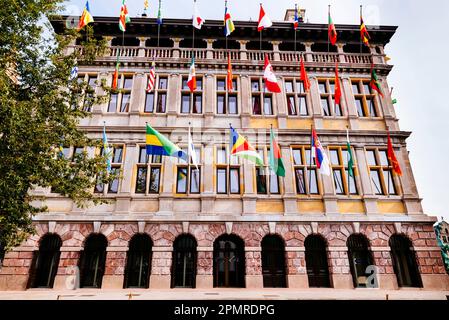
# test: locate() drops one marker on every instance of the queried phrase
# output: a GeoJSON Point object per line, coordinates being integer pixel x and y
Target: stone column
{"type": "Point", "coordinates": [142, 47]}
{"type": "Point", "coordinates": [123, 199]}
{"type": "Point", "coordinates": [316, 103]}
{"type": "Point", "coordinates": [341, 53]}
{"type": "Point", "coordinates": [204, 272]}
{"type": "Point", "coordinates": [245, 96]}
{"type": "Point", "coordinates": [350, 103]}
{"type": "Point", "coordinates": [387, 106]}
{"type": "Point", "coordinates": [296, 268]}
{"type": "Point", "coordinates": [370, 200]}
{"type": "Point", "coordinates": [176, 50]}
{"type": "Point", "coordinates": [210, 49]}
{"type": "Point", "coordinates": [137, 98]}
{"type": "Point", "coordinates": [253, 265]}
{"type": "Point", "coordinates": [339, 267]}
{"type": "Point", "coordinates": [168, 183]}
{"type": "Point", "coordinates": [209, 100]}
{"type": "Point", "coordinates": [100, 108]}
{"type": "Point", "coordinates": [243, 50]}
{"type": "Point", "coordinates": [208, 195]}
{"type": "Point", "coordinates": [115, 269]}
{"type": "Point", "coordinates": [67, 270]}
{"type": "Point", "coordinates": [407, 181]}
{"type": "Point", "coordinates": [250, 196]}
{"type": "Point", "coordinates": [308, 53]}
{"type": "Point", "coordinates": [277, 55]}
{"type": "Point", "coordinates": [173, 98]}
{"type": "Point", "coordinates": [281, 104]}
{"type": "Point", "coordinates": [160, 277]}
{"type": "Point", "coordinates": [290, 200]}
{"type": "Point", "coordinates": [108, 45]}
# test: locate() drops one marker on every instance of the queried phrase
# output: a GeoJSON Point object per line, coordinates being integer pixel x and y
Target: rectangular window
{"type": "Point", "coordinates": [228, 174]}
{"type": "Point", "coordinates": [226, 100]}
{"type": "Point", "coordinates": [327, 95]}
{"type": "Point", "coordinates": [158, 96]}
{"type": "Point", "coordinates": [305, 174]}
{"type": "Point", "coordinates": [192, 102]}
{"type": "Point", "coordinates": [113, 102]}
{"type": "Point", "coordinates": [343, 183]}
{"type": "Point", "coordinates": [262, 101]}
{"type": "Point", "coordinates": [296, 98]}
{"type": "Point", "coordinates": [381, 173]}
{"type": "Point", "coordinates": [148, 184]}
{"type": "Point", "coordinates": [121, 101]}
{"type": "Point", "coordinates": [222, 181]}
{"type": "Point", "coordinates": [149, 103]}
{"type": "Point", "coordinates": [113, 186]}
{"type": "Point", "coordinates": [267, 181]}
{"type": "Point", "coordinates": [261, 180]}
{"type": "Point", "coordinates": [365, 99]}
{"type": "Point", "coordinates": [189, 176]}
{"type": "Point", "coordinates": [181, 186]}
{"type": "Point", "coordinates": [141, 181]}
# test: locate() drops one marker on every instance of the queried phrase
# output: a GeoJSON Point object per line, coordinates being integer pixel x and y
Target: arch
{"type": "Point", "coordinates": [273, 262]}
{"type": "Point", "coordinates": [405, 264]}
{"type": "Point", "coordinates": [93, 261]}
{"type": "Point", "coordinates": [44, 265]}
{"type": "Point", "coordinates": [184, 262]}
{"type": "Point", "coordinates": [255, 45]}
{"type": "Point", "coordinates": [229, 262]}
{"type": "Point", "coordinates": [360, 257]}
{"type": "Point", "coordinates": [317, 264]}
{"type": "Point", "coordinates": [138, 262]}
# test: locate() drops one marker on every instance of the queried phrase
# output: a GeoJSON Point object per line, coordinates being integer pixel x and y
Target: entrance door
{"type": "Point", "coordinates": [316, 262]}
{"type": "Point", "coordinates": [229, 262]}
{"type": "Point", "coordinates": [184, 262]}
{"type": "Point", "coordinates": [273, 262]}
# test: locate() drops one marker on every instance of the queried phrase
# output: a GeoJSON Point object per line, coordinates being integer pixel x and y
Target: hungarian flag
{"type": "Point", "coordinates": [86, 17]}
{"type": "Point", "coordinates": [374, 83]}
{"type": "Point", "coordinates": [271, 82]}
{"type": "Point", "coordinates": [115, 77]}
{"type": "Point", "coordinates": [350, 156]}
{"type": "Point", "coordinates": [191, 82]}
{"type": "Point", "coordinates": [240, 147]}
{"type": "Point", "coordinates": [275, 157]}
{"type": "Point", "coordinates": [197, 20]}
{"type": "Point", "coordinates": [124, 17]}
{"type": "Point", "coordinates": [337, 86]}
{"type": "Point", "coordinates": [332, 31]}
{"type": "Point", "coordinates": [229, 85]}
{"type": "Point", "coordinates": [264, 20]}
{"type": "Point", "coordinates": [304, 77]}
{"type": "Point", "coordinates": [392, 157]}
{"type": "Point", "coordinates": [364, 35]}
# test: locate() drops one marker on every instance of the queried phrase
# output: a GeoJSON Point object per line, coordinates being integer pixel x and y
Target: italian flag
{"type": "Point", "coordinates": [191, 82]}
{"type": "Point", "coordinates": [332, 31]}
{"type": "Point", "coordinates": [275, 156]}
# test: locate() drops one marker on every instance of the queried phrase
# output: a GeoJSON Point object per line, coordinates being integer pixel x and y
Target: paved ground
{"type": "Point", "coordinates": [226, 294]}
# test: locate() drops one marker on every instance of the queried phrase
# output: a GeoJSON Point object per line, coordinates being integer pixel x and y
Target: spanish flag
{"type": "Point", "coordinates": [86, 17]}
{"type": "Point", "coordinates": [159, 145]}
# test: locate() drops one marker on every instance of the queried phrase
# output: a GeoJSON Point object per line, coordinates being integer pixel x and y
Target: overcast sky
{"type": "Point", "coordinates": [419, 53]}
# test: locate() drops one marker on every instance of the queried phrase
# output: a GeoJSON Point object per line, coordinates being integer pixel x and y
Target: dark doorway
{"type": "Point", "coordinates": [184, 262]}
{"type": "Point", "coordinates": [316, 262]}
{"type": "Point", "coordinates": [93, 260]}
{"type": "Point", "coordinates": [273, 262]}
{"type": "Point", "coordinates": [360, 258]}
{"type": "Point", "coordinates": [45, 262]}
{"type": "Point", "coordinates": [404, 261]}
{"type": "Point", "coordinates": [138, 262]}
{"type": "Point", "coordinates": [229, 262]}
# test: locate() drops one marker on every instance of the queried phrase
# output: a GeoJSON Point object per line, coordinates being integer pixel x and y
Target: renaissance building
{"type": "Point", "coordinates": [229, 223]}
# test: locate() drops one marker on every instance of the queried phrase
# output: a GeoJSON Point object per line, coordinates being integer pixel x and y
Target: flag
{"type": "Point", "coordinates": [271, 82]}
{"type": "Point", "coordinates": [394, 101]}
{"type": "Point", "coordinates": [364, 35]}
{"type": "Point", "coordinates": [304, 77]}
{"type": "Point", "coordinates": [387, 58]}
{"type": "Point", "coordinates": [275, 157]}
{"type": "Point", "coordinates": [319, 154]}
{"type": "Point", "coordinates": [241, 148]}
{"type": "Point", "coordinates": [332, 31]}
{"type": "Point", "coordinates": [197, 20]}
{"type": "Point", "coordinates": [145, 4]}
{"type": "Point", "coordinates": [192, 152]}
{"type": "Point", "coordinates": [73, 73]}
{"type": "Point", "coordinates": [157, 144]}
{"type": "Point", "coordinates": [297, 16]}
{"type": "Point", "coordinates": [151, 78]}
{"type": "Point", "coordinates": [106, 150]}
{"type": "Point", "coordinates": [124, 17]}
{"type": "Point", "coordinates": [337, 86]}
{"type": "Point", "coordinates": [191, 81]}
{"type": "Point", "coordinates": [374, 83]}
{"type": "Point", "coordinates": [229, 25]}
{"type": "Point", "coordinates": [229, 85]}
{"type": "Point", "coordinates": [159, 14]}
{"type": "Point", "coordinates": [86, 17]}
{"type": "Point", "coordinates": [115, 77]}
{"type": "Point", "coordinates": [264, 20]}
{"type": "Point", "coordinates": [392, 157]}
{"type": "Point", "coordinates": [350, 156]}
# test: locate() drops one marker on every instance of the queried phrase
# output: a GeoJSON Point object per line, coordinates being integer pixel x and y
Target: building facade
{"type": "Point", "coordinates": [230, 224]}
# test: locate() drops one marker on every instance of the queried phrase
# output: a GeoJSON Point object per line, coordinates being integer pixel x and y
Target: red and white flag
{"type": "Point", "coordinates": [271, 82]}
{"type": "Point", "coordinates": [197, 20]}
{"type": "Point", "coordinates": [151, 78]}
{"type": "Point", "coordinates": [264, 20]}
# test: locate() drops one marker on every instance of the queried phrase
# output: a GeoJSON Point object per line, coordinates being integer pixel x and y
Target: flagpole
{"type": "Point", "coordinates": [347, 160]}
{"type": "Point", "coordinates": [158, 24]}
{"type": "Point", "coordinates": [388, 177]}
{"type": "Point", "coordinates": [311, 161]}
{"type": "Point", "coordinates": [328, 36]}
{"type": "Point", "coordinates": [361, 40]}
{"type": "Point", "coordinates": [226, 36]}
{"type": "Point", "coordinates": [148, 157]}
{"type": "Point", "coordinates": [261, 34]}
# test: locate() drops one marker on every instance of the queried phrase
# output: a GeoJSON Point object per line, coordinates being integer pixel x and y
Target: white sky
{"type": "Point", "coordinates": [419, 52]}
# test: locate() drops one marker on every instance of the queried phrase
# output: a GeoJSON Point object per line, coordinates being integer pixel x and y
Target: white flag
{"type": "Point", "coordinates": [192, 151]}
{"type": "Point", "coordinates": [197, 20]}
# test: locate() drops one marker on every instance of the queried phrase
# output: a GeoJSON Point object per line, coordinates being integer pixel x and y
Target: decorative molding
{"type": "Point", "coordinates": [314, 226]}
{"type": "Point", "coordinates": [228, 227]}
{"type": "Point", "coordinates": [51, 226]}
{"type": "Point", "coordinates": [185, 227]}
{"type": "Point", "coordinates": [97, 226]}
{"type": "Point", "coordinates": [272, 226]}
{"type": "Point", "coordinates": [141, 226]}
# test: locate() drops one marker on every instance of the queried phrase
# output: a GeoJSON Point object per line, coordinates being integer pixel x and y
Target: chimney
{"type": "Point", "coordinates": [290, 15]}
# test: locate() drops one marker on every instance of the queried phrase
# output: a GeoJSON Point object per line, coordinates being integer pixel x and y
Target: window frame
{"type": "Point", "coordinates": [120, 92]}
{"type": "Point", "coordinates": [157, 90]}
{"type": "Point", "coordinates": [115, 166]}
{"type": "Point", "coordinates": [342, 167]}
{"type": "Point", "coordinates": [329, 96]}
{"type": "Point", "coordinates": [263, 94]}
{"type": "Point", "coordinates": [192, 96]}
{"type": "Point", "coordinates": [297, 96]}
{"type": "Point", "coordinates": [190, 168]}
{"type": "Point", "coordinates": [365, 98]}
{"type": "Point", "coordinates": [382, 169]}
{"type": "Point", "coordinates": [268, 174]}
{"type": "Point", "coordinates": [305, 167]}
{"type": "Point", "coordinates": [149, 165]}
{"type": "Point", "coordinates": [227, 94]}
{"type": "Point", "coordinates": [231, 164]}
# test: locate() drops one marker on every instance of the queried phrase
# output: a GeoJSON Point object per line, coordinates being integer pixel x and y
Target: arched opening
{"type": "Point", "coordinates": [138, 262]}
{"type": "Point", "coordinates": [45, 262]}
{"type": "Point", "coordinates": [184, 262]}
{"type": "Point", "coordinates": [273, 262]}
{"type": "Point", "coordinates": [404, 261]}
{"type": "Point", "coordinates": [229, 262]}
{"type": "Point", "coordinates": [316, 262]}
{"type": "Point", "coordinates": [221, 44]}
{"type": "Point", "coordinates": [355, 48]}
{"type": "Point", "coordinates": [255, 45]}
{"type": "Point", "coordinates": [93, 260]}
{"type": "Point", "coordinates": [360, 258]}
{"type": "Point", "coordinates": [129, 42]}
{"type": "Point", "coordinates": [163, 43]}
{"type": "Point", "coordinates": [323, 47]}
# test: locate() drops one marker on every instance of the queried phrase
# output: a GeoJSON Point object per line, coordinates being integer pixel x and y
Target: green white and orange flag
{"type": "Point", "coordinates": [332, 31]}
{"type": "Point", "coordinates": [275, 157]}
{"type": "Point", "coordinates": [124, 17]}
{"type": "Point", "coordinates": [115, 77]}
{"type": "Point", "coordinates": [240, 147]}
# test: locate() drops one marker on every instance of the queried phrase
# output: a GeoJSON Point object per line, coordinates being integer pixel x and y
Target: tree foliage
{"type": "Point", "coordinates": [39, 113]}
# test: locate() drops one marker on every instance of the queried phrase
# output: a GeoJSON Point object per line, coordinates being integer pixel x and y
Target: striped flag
{"type": "Point", "coordinates": [191, 81]}
{"type": "Point", "coordinates": [364, 35]}
{"type": "Point", "coordinates": [275, 157]}
{"type": "Point", "coordinates": [240, 147]}
{"type": "Point", "coordinates": [229, 25]}
{"type": "Point", "coordinates": [374, 83]}
{"type": "Point", "coordinates": [297, 16]}
{"type": "Point", "coordinates": [392, 157]}
{"type": "Point", "coordinates": [86, 17]}
{"type": "Point", "coordinates": [124, 17]}
{"type": "Point", "coordinates": [151, 78]}
{"type": "Point", "coordinates": [115, 77]}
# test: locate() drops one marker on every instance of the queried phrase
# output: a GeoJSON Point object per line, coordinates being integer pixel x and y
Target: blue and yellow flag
{"type": "Point", "coordinates": [86, 17]}
{"type": "Point", "coordinates": [159, 145]}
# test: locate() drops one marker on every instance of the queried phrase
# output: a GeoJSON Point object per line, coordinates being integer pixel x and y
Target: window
{"type": "Point", "coordinates": [267, 181]}
{"type": "Point", "coordinates": [296, 98]}
{"type": "Point", "coordinates": [381, 173]}
{"type": "Point", "coordinates": [188, 177]}
{"type": "Point", "coordinates": [273, 262]}
{"type": "Point", "coordinates": [404, 261]}
{"type": "Point", "coordinates": [327, 98]}
{"type": "Point", "coordinates": [93, 261]}
{"type": "Point", "coordinates": [316, 261]}
{"type": "Point", "coordinates": [86, 92]}
{"type": "Point", "coordinates": [228, 174]}
{"type": "Point", "coordinates": [366, 103]}
{"type": "Point", "coordinates": [226, 101]}
{"type": "Point", "coordinates": [261, 100]}
{"type": "Point", "coordinates": [192, 103]}
{"type": "Point", "coordinates": [156, 100]}
{"type": "Point", "coordinates": [184, 262]}
{"type": "Point", "coordinates": [120, 101]}
{"type": "Point", "coordinates": [360, 258]}
{"type": "Point", "coordinates": [148, 183]}
{"type": "Point", "coordinates": [116, 164]}
{"type": "Point", "coordinates": [305, 173]}
{"type": "Point", "coordinates": [339, 161]}
{"type": "Point", "coordinates": [138, 262]}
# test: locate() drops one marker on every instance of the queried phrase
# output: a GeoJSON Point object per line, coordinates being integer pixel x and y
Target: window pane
{"type": "Point", "coordinates": [307, 153]}
{"type": "Point", "coordinates": [261, 181]}
{"type": "Point", "coordinates": [143, 155]}
{"type": "Point", "coordinates": [154, 180]}
{"type": "Point", "coordinates": [221, 155]}
{"type": "Point", "coordinates": [256, 105]}
{"type": "Point", "coordinates": [291, 105]}
{"type": "Point", "coordinates": [297, 156]}
{"type": "Point", "coordinates": [303, 106]}
{"type": "Point", "coordinates": [141, 180]}
{"type": "Point", "coordinates": [338, 111]}
{"type": "Point", "coordinates": [383, 158]}
{"type": "Point", "coordinates": [359, 105]}
{"type": "Point", "coordinates": [198, 104]}
{"type": "Point", "coordinates": [163, 83]}
{"type": "Point", "coordinates": [322, 87]}
{"type": "Point", "coordinates": [126, 99]}
{"type": "Point", "coordinates": [221, 105]}
{"type": "Point", "coordinates": [274, 183]}
{"type": "Point", "coordinates": [118, 154]}
{"type": "Point", "coordinates": [234, 85]}
{"type": "Point", "coordinates": [371, 157]}
{"type": "Point", "coordinates": [313, 182]}
{"type": "Point", "coordinates": [371, 107]}
{"type": "Point", "coordinates": [267, 106]}
{"type": "Point", "coordinates": [99, 187]}
{"type": "Point", "coordinates": [332, 87]}
{"type": "Point", "coordinates": [128, 84]}
{"type": "Point", "coordinates": [232, 105]}
{"type": "Point", "coordinates": [388, 178]}
{"type": "Point", "coordinates": [184, 84]}
{"type": "Point", "coordinates": [113, 103]}
{"type": "Point", "coordinates": [255, 86]}
{"type": "Point", "coordinates": [234, 180]}
{"type": "Point", "coordinates": [185, 103]}
{"type": "Point", "coordinates": [113, 186]}
{"type": "Point", "coordinates": [195, 180]}
{"type": "Point", "coordinates": [221, 181]}
{"type": "Point", "coordinates": [77, 151]}
{"type": "Point", "coordinates": [366, 88]}
{"type": "Point", "coordinates": [289, 86]}
{"type": "Point", "coordinates": [92, 82]}
{"type": "Point", "coordinates": [338, 182]}
{"type": "Point", "coordinates": [351, 184]}
{"type": "Point", "coordinates": [300, 181]}
{"type": "Point", "coordinates": [149, 102]}
{"type": "Point", "coordinates": [199, 83]}
{"type": "Point", "coordinates": [335, 160]}
{"type": "Point", "coordinates": [355, 88]}
{"type": "Point", "coordinates": [161, 102]}
{"type": "Point", "coordinates": [181, 186]}
{"type": "Point", "coordinates": [156, 159]}
{"type": "Point", "coordinates": [325, 106]}
{"type": "Point", "coordinates": [221, 85]}
{"type": "Point", "coordinates": [299, 87]}
{"type": "Point", "coordinates": [375, 178]}
{"type": "Point", "coordinates": [66, 152]}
